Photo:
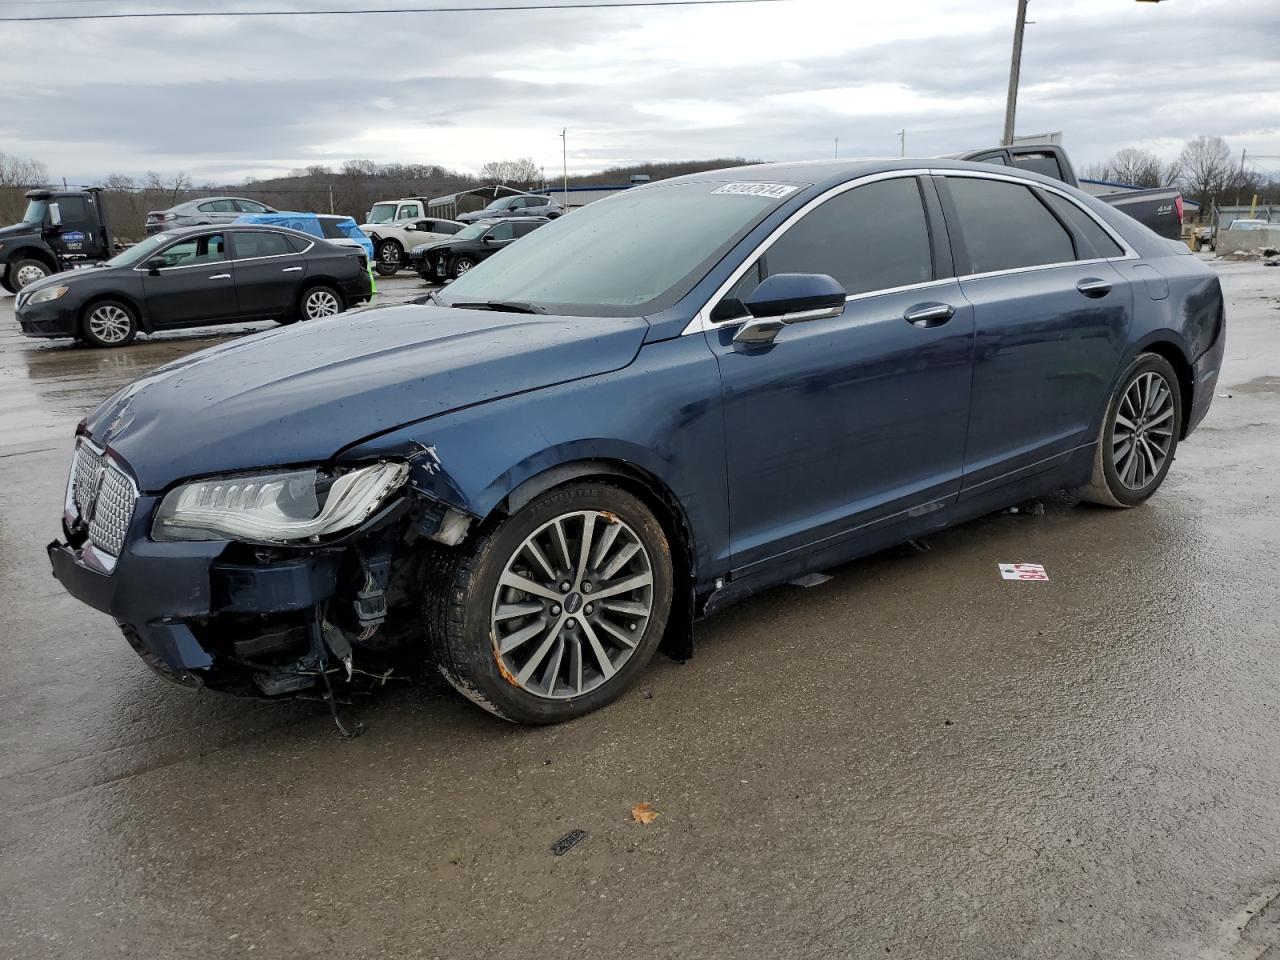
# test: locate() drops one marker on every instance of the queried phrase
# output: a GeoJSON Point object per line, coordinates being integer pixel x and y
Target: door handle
{"type": "Point", "coordinates": [1093, 287]}
{"type": "Point", "coordinates": [221, 276]}
{"type": "Point", "coordinates": [290, 269]}
{"type": "Point", "coordinates": [929, 314]}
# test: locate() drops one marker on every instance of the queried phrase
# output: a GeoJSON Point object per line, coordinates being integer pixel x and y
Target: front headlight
{"type": "Point", "coordinates": [281, 507]}
{"type": "Point", "coordinates": [48, 293]}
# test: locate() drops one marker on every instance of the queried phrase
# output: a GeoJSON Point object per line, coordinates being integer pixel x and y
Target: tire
{"type": "Point", "coordinates": [460, 266]}
{"type": "Point", "coordinates": [552, 660]}
{"type": "Point", "coordinates": [320, 301]}
{"type": "Point", "coordinates": [4, 282]}
{"type": "Point", "coordinates": [108, 323]}
{"type": "Point", "coordinates": [390, 258]}
{"type": "Point", "coordinates": [24, 272]}
{"type": "Point", "coordinates": [1147, 401]}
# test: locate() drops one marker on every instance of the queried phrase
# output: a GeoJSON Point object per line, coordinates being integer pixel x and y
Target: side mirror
{"type": "Point", "coordinates": [787, 298]}
{"type": "Point", "coordinates": [489, 238]}
{"type": "Point", "coordinates": [154, 266]}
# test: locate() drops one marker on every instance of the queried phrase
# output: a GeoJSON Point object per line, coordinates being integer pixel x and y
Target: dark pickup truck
{"type": "Point", "coordinates": [1160, 208]}
{"type": "Point", "coordinates": [60, 230]}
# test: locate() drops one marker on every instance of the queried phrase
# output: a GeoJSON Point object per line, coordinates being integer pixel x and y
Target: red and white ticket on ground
{"type": "Point", "coordinates": [1022, 571]}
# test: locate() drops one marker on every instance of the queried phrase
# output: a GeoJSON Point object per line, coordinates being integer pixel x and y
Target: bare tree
{"type": "Point", "coordinates": [1206, 169]}
{"type": "Point", "coordinates": [523, 172]}
{"type": "Point", "coordinates": [1135, 167]}
{"type": "Point", "coordinates": [21, 172]}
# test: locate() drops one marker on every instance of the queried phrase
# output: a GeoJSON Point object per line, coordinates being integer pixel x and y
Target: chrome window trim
{"type": "Point", "coordinates": [187, 266]}
{"type": "Point", "coordinates": [701, 321]}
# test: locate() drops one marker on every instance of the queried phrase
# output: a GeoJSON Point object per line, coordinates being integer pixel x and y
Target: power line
{"type": "Point", "coordinates": [493, 8]}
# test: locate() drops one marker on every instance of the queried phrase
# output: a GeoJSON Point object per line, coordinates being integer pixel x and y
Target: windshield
{"type": "Point", "coordinates": [382, 212]}
{"type": "Point", "coordinates": [139, 251]}
{"type": "Point", "coordinates": [499, 204]}
{"type": "Point", "coordinates": [634, 253]}
{"type": "Point", "coordinates": [472, 232]}
{"type": "Point", "coordinates": [36, 210]}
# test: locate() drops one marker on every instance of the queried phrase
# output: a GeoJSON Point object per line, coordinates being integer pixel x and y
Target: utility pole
{"type": "Point", "coordinates": [902, 138]}
{"type": "Point", "coordinates": [1015, 67]}
{"type": "Point", "coordinates": [564, 146]}
{"type": "Point", "coordinates": [331, 198]}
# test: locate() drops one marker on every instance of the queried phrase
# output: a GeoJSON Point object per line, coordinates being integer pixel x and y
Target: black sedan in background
{"type": "Point", "coordinates": [196, 276]}
{"type": "Point", "coordinates": [450, 259]}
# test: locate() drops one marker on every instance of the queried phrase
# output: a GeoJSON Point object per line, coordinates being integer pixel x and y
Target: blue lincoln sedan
{"type": "Point", "coordinates": [550, 470]}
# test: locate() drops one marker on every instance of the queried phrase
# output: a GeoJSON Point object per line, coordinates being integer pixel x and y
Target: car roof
{"type": "Point", "coordinates": [826, 173]}
{"type": "Point", "coordinates": [222, 227]}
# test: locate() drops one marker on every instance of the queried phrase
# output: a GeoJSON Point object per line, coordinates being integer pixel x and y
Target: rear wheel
{"type": "Point", "coordinates": [461, 266]}
{"type": "Point", "coordinates": [25, 272]}
{"type": "Point", "coordinates": [390, 257]}
{"type": "Point", "coordinates": [1139, 435]}
{"type": "Point", "coordinates": [319, 302]}
{"type": "Point", "coordinates": [4, 282]}
{"type": "Point", "coordinates": [108, 323]}
{"type": "Point", "coordinates": [554, 612]}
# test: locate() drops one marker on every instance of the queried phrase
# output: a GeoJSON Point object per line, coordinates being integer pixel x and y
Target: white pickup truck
{"type": "Point", "coordinates": [392, 238]}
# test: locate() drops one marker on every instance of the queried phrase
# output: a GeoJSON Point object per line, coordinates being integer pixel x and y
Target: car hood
{"type": "Point", "coordinates": [67, 278]}
{"type": "Point", "coordinates": [301, 394]}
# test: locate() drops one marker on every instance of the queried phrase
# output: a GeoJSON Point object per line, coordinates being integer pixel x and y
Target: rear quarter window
{"type": "Point", "coordinates": [1092, 242]}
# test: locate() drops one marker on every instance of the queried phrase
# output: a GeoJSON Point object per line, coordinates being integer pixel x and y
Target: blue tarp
{"type": "Point", "coordinates": [310, 223]}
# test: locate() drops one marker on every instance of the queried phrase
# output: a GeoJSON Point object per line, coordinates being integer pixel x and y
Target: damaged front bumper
{"type": "Point", "coordinates": [253, 620]}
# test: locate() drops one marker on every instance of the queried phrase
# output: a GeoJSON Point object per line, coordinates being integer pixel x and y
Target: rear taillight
{"type": "Point", "coordinates": [1177, 205]}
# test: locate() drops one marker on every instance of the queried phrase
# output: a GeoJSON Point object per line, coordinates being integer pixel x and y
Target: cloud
{"type": "Point", "coordinates": [223, 98]}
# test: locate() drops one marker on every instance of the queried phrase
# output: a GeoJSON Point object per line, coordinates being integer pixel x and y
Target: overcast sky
{"type": "Point", "coordinates": [225, 98]}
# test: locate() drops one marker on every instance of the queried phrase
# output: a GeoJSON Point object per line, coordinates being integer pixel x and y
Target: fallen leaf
{"type": "Point", "coordinates": [643, 813]}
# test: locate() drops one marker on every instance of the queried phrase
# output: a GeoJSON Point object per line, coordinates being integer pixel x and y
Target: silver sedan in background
{"type": "Point", "coordinates": [203, 210]}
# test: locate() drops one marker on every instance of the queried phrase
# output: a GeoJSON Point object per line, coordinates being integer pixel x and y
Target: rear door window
{"type": "Point", "coordinates": [873, 237]}
{"type": "Point", "coordinates": [218, 206]}
{"type": "Point", "coordinates": [249, 206]}
{"type": "Point", "coordinates": [1092, 242]}
{"type": "Point", "coordinates": [1005, 227]}
{"type": "Point", "coordinates": [265, 244]}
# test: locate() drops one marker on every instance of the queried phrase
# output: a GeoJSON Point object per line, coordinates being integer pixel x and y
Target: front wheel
{"type": "Point", "coordinates": [461, 266]}
{"type": "Point", "coordinates": [1139, 435]}
{"type": "Point", "coordinates": [390, 258]}
{"type": "Point", "coordinates": [554, 612]}
{"type": "Point", "coordinates": [108, 323]}
{"type": "Point", "coordinates": [319, 302]}
{"type": "Point", "coordinates": [25, 272]}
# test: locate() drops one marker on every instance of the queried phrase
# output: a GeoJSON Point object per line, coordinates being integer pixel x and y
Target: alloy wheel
{"type": "Point", "coordinates": [320, 303]}
{"type": "Point", "coordinates": [571, 604]}
{"type": "Point", "coordinates": [462, 267]}
{"type": "Point", "coordinates": [389, 253]}
{"type": "Point", "coordinates": [110, 324]}
{"type": "Point", "coordinates": [1143, 433]}
{"type": "Point", "coordinates": [29, 273]}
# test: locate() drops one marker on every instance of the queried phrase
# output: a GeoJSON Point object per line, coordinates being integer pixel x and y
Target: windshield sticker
{"type": "Point", "coordinates": [773, 191]}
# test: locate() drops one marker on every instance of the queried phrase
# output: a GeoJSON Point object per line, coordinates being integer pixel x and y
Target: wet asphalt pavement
{"type": "Point", "coordinates": [914, 759]}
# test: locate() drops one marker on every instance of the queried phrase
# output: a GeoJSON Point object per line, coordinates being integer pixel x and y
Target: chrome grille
{"type": "Point", "coordinates": [102, 494]}
{"type": "Point", "coordinates": [84, 476]}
